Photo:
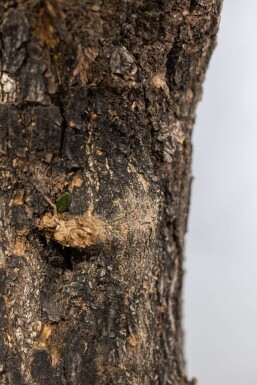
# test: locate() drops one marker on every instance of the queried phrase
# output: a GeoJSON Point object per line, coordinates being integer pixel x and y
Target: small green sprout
{"type": "Point", "coordinates": [63, 202]}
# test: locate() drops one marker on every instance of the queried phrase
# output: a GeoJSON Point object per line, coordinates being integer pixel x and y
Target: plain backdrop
{"type": "Point", "coordinates": [220, 298]}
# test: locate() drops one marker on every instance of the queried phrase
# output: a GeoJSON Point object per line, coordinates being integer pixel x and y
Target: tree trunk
{"type": "Point", "coordinates": [97, 101]}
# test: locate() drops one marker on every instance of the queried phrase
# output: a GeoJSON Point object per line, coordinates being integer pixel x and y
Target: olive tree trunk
{"type": "Point", "coordinates": [97, 105]}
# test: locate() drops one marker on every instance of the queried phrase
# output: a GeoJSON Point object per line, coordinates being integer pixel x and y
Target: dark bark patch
{"type": "Point", "coordinates": [12, 141]}
{"type": "Point", "coordinates": [178, 76]}
{"type": "Point", "coordinates": [76, 110]}
{"type": "Point", "coordinates": [79, 202]}
{"type": "Point", "coordinates": [79, 359]}
{"type": "Point", "coordinates": [3, 129]}
{"type": "Point", "coordinates": [20, 219]}
{"type": "Point", "coordinates": [2, 320]}
{"type": "Point", "coordinates": [74, 153]}
{"type": "Point", "coordinates": [42, 370]}
{"type": "Point", "coordinates": [46, 133]}
{"type": "Point", "coordinates": [15, 31]}
{"type": "Point", "coordinates": [13, 370]}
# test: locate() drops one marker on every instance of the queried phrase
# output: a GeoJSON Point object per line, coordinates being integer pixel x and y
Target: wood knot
{"type": "Point", "coordinates": [78, 232]}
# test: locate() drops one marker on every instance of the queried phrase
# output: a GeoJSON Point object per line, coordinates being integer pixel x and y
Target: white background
{"type": "Point", "coordinates": [220, 298]}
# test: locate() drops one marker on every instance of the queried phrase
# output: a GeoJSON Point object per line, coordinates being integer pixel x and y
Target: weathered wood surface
{"type": "Point", "coordinates": [98, 99]}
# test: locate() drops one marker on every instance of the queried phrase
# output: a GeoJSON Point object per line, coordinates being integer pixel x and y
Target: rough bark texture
{"type": "Point", "coordinates": [98, 99]}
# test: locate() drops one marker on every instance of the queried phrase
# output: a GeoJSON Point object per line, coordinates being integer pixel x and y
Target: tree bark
{"type": "Point", "coordinates": [98, 100]}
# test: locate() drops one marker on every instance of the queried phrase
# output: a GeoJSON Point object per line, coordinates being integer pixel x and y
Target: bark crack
{"type": "Point", "coordinates": [193, 4]}
{"type": "Point", "coordinates": [63, 126]}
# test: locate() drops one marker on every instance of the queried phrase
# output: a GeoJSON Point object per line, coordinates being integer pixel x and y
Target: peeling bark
{"type": "Point", "coordinates": [97, 99]}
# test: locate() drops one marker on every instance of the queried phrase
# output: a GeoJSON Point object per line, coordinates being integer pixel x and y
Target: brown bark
{"type": "Point", "coordinates": [98, 99]}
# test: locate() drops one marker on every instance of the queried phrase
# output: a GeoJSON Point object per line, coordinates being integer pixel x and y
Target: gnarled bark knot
{"type": "Point", "coordinates": [85, 230]}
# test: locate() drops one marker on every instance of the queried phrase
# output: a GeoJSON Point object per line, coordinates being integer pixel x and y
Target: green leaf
{"type": "Point", "coordinates": [63, 202]}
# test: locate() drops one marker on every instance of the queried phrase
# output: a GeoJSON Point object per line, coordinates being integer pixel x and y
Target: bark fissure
{"type": "Point", "coordinates": [193, 5]}
{"type": "Point", "coordinates": [64, 128]}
